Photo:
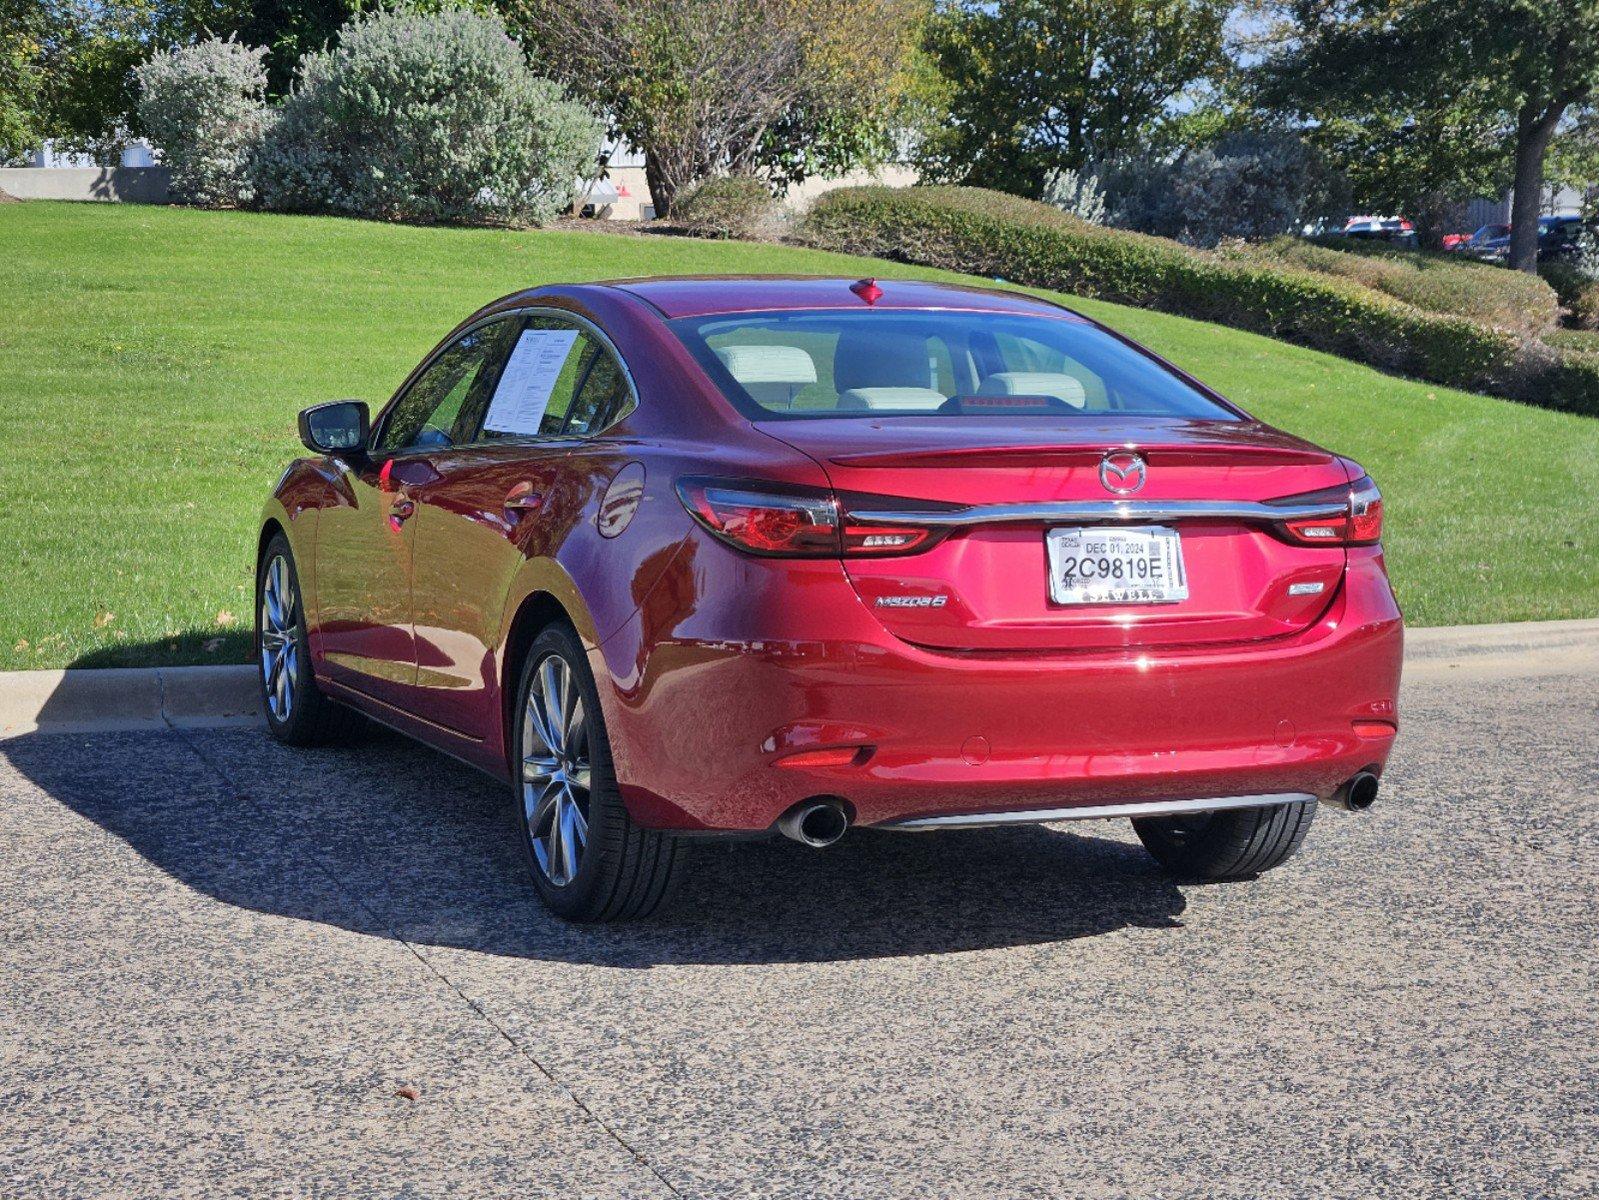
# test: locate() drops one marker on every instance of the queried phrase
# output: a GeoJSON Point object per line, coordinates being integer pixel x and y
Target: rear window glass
{"type": "Point", "coordinates": [797, 365]}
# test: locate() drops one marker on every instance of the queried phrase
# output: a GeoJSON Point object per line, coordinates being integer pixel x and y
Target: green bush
{"type": "Point", "coordinates": [425, 117]}
{"type": "Point", "coordinates": [1578, 293]}
{"type": "Point", "coordinates": [205, 107]}
{"type": "Point", "coordinates": [1440, 283]}
{"type": "Point", "coordinates": [1573, 339]}
{"type": "Point", "coordinates": [733, 206]}
{"type": "Point", "coordinates": [988, 233]}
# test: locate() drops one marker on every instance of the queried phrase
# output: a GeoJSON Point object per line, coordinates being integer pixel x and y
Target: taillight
{"type": "Point", "coordinates": [1360, 524]}
{"type": "Point", "coordinates": [1365, 513]}
{"type": "Point", "coordinates": [792, 523]}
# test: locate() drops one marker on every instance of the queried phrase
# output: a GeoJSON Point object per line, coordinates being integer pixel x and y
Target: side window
{"type": "Point", "coordinates": [559, 380]}
{"type": "Point", "coordinates": [602, 396]}
{"type": "Point", "coordinates": [436, 410]}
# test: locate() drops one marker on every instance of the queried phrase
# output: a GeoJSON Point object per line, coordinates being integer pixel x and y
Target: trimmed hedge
{"type": "Point", "coordinates": [989, 233]}
{"type": "Point", "coordinates": [1579, 295]}
{"type": "Point", "coordinates": [1440, 283]}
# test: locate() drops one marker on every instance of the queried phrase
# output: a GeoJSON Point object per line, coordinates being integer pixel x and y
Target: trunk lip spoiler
{"type": "Point", "coordinates": [1089, 511]}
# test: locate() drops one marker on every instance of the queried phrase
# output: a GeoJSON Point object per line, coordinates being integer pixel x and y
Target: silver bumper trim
{"type": "Point", "coordinates": [1091, 812]}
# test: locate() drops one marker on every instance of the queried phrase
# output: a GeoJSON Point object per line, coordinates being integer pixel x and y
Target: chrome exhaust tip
{"type": "Point", "coordinates": [1356, 795]}
{"type": "Point", "coordinates": [815, 823]}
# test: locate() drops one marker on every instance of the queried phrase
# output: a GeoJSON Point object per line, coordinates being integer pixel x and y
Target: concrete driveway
{"type": "Point", "coordinates": [228, 969]}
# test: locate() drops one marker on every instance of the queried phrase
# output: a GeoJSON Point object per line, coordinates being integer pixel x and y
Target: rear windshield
{"type": "Point", "coordinates": [797, 365]}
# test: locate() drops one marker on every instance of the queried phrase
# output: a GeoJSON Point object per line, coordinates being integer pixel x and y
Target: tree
{"type": "Point", "coordinates": [1034, 86]}
{"type": "Point", "coordinates": [704, 87]}
{"type": "Point", "coordinates": [1526, 63]}
{"type": "Point", "coordinates": [1422, 163]}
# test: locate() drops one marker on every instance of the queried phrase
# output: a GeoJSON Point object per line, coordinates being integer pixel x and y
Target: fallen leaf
{"type": "Point", "coordinates": [22, 644]}
{"type": "Point", "coordinates": [224, 618]}
{"type": "Point", "coordinates": [211, 645]}
{"type": "Point", "coordinates": [408, 1093]}
{"type": "Point", "coordinates": [101, 620]}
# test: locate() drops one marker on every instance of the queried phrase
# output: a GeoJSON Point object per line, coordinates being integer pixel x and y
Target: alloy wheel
{"type": "Point", "coordinates": [280, 645]}
{"type": "Point", "coordinates": [555, 771]}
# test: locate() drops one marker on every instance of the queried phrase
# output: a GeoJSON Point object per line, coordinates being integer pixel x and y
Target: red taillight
{"type": "Point", "coordinates": [792, 523]}
{"type": "Point", "coordinates": [1360, 524]}
{"type": "Point", "coordinates": [1365, 513]}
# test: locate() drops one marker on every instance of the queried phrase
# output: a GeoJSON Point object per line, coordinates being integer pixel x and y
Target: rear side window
{"type": "Point", "coordinates": [798, 365]}
{"type": "Point", "coordinates": [559, 381]}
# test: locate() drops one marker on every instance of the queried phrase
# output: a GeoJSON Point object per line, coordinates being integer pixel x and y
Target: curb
{"type": "Point", "coordinates": [123, 699]}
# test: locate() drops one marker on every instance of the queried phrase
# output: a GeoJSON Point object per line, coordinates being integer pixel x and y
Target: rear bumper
{"type": "Point", "coordinates": [699, 722]}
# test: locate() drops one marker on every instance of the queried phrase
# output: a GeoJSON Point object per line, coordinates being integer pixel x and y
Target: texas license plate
{"type": "Point", "coordinates": [1116, 565]}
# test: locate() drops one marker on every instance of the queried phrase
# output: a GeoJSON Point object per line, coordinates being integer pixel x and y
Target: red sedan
{"type": "Point", "coordinates": [682, 557]}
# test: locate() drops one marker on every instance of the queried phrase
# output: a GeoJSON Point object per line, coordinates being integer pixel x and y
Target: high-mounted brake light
{"type": "Point", "coordinates": [1359, 525]}
{"type": "Point", "coordinates": [791, 523]}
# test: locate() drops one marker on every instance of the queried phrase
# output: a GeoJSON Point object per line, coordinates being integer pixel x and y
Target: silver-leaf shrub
{"type": "Point", "coordinates": [426, 118]}
{"type": "Point", "coordinates": [204, 106]}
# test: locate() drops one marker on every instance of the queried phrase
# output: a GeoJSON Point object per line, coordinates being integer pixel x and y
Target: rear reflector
{"type": "Point", "coordinates": [833, 756]}
{"type": "Point", "coordinates": [1375, 729]}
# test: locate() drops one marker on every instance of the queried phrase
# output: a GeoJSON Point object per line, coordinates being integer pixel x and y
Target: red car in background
{"type": "Point", "coordinates": [680, 557]}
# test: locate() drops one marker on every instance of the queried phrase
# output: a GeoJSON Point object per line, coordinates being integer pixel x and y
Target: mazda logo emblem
{"type": "Point", "coordinates": [1123, 472]}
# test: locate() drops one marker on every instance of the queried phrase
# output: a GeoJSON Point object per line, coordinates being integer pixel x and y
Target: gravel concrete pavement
{"type": "Point", "coordinates": [221, 960]}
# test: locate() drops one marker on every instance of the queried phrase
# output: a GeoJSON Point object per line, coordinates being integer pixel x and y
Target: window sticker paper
{"type": "Point", "coordinates": [530, 376]}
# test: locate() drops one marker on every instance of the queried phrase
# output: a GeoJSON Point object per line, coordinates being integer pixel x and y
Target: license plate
{"type": "Point", "coordinates": [1116, 565]}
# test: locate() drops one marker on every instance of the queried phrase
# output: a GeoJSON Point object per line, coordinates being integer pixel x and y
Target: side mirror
{"type": "Point", "coordinates": [339, 427]}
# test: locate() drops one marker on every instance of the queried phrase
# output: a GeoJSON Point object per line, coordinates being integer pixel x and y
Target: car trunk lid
{"type": "Point", "coordinates": [995, 491]}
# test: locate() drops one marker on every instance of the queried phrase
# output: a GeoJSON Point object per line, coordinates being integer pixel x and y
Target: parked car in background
{"type": "Point", "coordinates": [1558, 236]}
{"type": "Point", "coordinates": [1486, 241]}
{"type": "Point", "coordinates": [744, 556]}
{"type": "Point", "coordinates": [1394, 230]}
{"type": "Point", "coordinates": [1453, 241]}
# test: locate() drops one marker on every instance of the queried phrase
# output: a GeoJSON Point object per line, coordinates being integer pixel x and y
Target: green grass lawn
{"type": "Point", "coordinates": [152, 361]}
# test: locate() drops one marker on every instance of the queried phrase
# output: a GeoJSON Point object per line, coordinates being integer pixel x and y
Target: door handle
{"type": "Point", "coordinates": [401, 511]}
{"type": "Point", "coordinates": [523, 499]}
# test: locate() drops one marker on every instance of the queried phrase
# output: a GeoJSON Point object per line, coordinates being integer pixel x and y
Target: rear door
{"type": "Point", "coordinates": [509, 490]}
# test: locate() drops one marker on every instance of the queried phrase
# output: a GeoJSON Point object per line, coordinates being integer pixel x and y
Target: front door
{"type": "Point", "coordinates": [365, 546]}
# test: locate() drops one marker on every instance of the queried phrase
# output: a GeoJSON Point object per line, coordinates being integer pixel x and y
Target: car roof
{"type": "Point", "coordinates": [708, 295]}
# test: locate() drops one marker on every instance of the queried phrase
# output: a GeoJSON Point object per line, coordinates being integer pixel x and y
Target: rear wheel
{"type": "Point", "coordinates": [589, 861]}
{"type": "Point", "coordinates": [1234, 844]}
{"type": "Point", "coordinates": [297, 713]}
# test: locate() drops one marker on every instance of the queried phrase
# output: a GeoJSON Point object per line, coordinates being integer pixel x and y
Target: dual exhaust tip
{"type": "Point", "coordinates": [815, 823]}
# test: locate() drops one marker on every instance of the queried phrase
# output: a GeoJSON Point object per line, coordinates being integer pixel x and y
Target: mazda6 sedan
{"type": "Point", "coordinates": [743, 556]}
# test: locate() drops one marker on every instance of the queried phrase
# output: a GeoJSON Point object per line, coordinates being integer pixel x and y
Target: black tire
{"type": "Point", "coordinates": [623, 872]}
{"type": "Point", "coordinates": [309, 718]}
{"type": "Point", "coordinates": [1234, 844]}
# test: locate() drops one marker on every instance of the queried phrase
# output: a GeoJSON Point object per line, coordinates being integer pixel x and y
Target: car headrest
{"type": "Point", "coordinates": [772, 375]}
{"type": "Point", "coordinates": [890, 399]}
{"type": "Point", "coordinates": [1064, 388]}
{"type": "Point", "coordinates": [768, 364]}
{"type": "Point", "coordinates": [871, 358]}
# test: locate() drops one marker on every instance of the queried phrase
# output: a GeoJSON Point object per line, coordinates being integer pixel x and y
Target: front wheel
{"type": "Point", "coordinates": [1233, 844]}
{"type": "Point", "coordinates": [588, 860]}
{"type": "Point", "coordinates": [297, 713]}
